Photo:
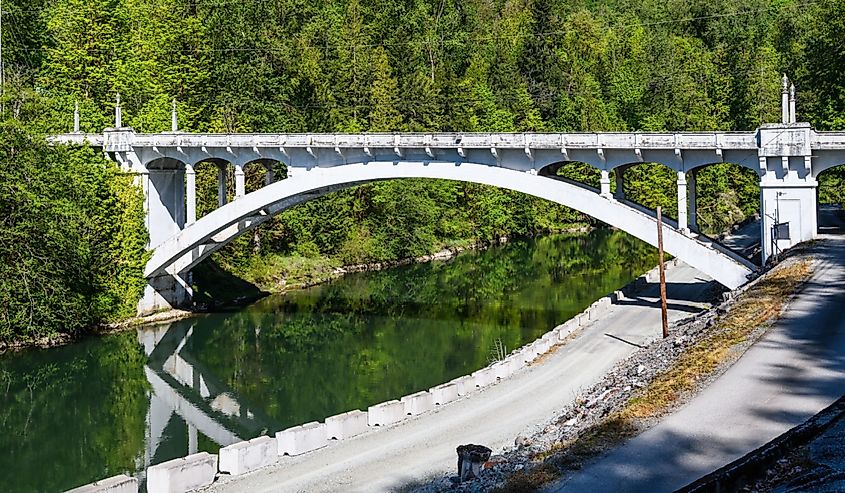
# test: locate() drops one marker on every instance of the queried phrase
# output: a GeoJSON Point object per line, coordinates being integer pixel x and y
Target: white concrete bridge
{"type": "Point", "coordinates": [787, 156]}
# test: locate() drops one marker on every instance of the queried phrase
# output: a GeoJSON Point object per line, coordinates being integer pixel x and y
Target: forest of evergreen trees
{"type": "Point", "coordinates": [379, 65]}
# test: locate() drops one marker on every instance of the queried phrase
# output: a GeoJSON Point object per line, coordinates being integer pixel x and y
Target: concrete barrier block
{"type": "Point", "coordinates": [483, 377]}
{"type": "Point", "coordinates": [385, 413]}
{"type": "Point", "coordinates": [584, 318]}
{"type": "Point", "coordinates": [464, 384]}
{"type": "Point", "coordinates": [418, 403]}
{"type": "Point", "coordinates": [301, 439]}
{"type": "Point", "coordinates": [180, 475]}
{"type": "Point", "coordinates": [250, 455]}
{"type": "Point", "coordinates": [115, 484]}
{"type": "Point", "coordinates": [529, 353]}
{"type": "Point", "coordinates": [503, 369]}
{"type": "Point", "coordinates": [542, 345]}
{"type": "Point", "coordinates": [567, 329]}
{"type": "Point", "coordinates": [346, 425]}
{"type": "Point", "coordinates": [516, 361]}
{"type": "Point", "coordinates": [444, 393]}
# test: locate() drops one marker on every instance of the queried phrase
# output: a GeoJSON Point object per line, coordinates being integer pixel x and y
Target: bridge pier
{"type": "Point", "coordinates": [605, 184]}
{"type": "Point", "coordinates": [166, 292]}
{"type": "Point", "coordinates": [240, 180]}
{"type": "Point", "coordinates": [619, 175]}
{"type": "Point", "coordinates": [190, 194]}
{"type": "Point", "coordinates": [691, 193]}
{"type": "Point", "coordinates": [683, 221]}
{"type": "Point", "coordinates": [221, 185]}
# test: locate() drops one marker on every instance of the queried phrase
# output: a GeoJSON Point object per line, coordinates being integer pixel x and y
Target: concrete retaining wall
{"type": "Point", "coordinates": [243, 457]}
{"type": "Point", "coordinates": [301, 439]}
{"type": "Point", "coordinates": [444, 393]}
{"type": "Point", "coordinates": [418, 403]}
{"type": "Point", "coordinates": [385, 413]}
{"type": "Point", "coordinates": [115, 484]}
{"type": "Point", "coordinates": [346, 425]}
{"type": "Point", "coordinates": [180, 475]}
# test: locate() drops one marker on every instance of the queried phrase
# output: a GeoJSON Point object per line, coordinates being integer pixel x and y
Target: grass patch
{"type": "Point", "coordinates": [275, 272]}
{"type": "Point", "coordinates": [757, 307]}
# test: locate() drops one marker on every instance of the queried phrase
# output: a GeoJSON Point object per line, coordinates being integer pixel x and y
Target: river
{"type": "Point", "coordinates": [118, 403]}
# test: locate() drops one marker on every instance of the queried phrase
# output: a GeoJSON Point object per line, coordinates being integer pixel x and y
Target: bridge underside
{"type": "Point", "coordinates": [174, 257]}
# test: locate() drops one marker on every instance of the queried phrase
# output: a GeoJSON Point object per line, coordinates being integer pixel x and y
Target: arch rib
{"type": "Point", "coordinates": [196, 241]}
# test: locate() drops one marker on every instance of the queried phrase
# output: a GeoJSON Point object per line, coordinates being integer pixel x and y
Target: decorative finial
{"type": "Point", "coordinates": [784, 100]}
{"type": "Point", "coordinates": [118, 117]}
{"type": "Point", "coordinates": [76, 117]}
{"type": "Point", "coordinates": [174, 122]}
{"type": "Point", "coordinates": [792, 118]}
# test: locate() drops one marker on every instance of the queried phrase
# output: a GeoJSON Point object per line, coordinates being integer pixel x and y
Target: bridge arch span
{"type": "Point", "coordinates": [196, 241]}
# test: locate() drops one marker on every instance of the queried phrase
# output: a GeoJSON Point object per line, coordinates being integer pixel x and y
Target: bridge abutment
{"type": "Point", "coordinates": [788, 205]}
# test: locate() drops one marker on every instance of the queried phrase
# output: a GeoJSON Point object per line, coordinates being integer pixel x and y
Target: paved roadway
{"type": "Point", "coordinates": [796, 370]}
{"type": "Point", "coordinates": [408, 453]}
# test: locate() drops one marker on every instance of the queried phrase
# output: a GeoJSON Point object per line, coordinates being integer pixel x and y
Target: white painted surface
{"type": "Point", "coordinates": [181, 475]}
{"type": "Point", "coordinates": [301, 439]}
{"type": "Point", "coordinates": [418, 403]}
{"type": "Point", "coordinates": [445, 393]}
{"type": "Point", "coordinates": [247, 456]}
{"type": "Point", "coordinates": [386, 413]}
{"type": "Point", "coordinates": [346, 425]}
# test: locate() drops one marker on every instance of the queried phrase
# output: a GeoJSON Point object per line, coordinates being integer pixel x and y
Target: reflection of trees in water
{"type": "Point", "coordinates": [375, 336]}
{"type": "Point", "coordinates": [80, 409]}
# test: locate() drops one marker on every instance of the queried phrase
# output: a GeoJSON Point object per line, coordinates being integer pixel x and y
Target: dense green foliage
{"type": "Point", "coordinates": [417, 65]}
{"type": "Point", "coordinates": [72, 238]}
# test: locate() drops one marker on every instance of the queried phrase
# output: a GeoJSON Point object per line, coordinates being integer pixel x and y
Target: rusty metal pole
{"type": "Point", "coordinates": [663, 308]}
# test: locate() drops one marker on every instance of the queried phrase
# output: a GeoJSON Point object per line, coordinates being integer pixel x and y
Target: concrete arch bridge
{"type": "Point", "coordinates": [787, 157]}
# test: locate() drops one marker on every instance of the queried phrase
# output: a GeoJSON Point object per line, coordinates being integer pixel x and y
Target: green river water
{"type": "Point", "coordinates": [118, 403]}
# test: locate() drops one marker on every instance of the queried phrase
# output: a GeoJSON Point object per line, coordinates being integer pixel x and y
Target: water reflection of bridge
{"type": "Point", "coordinates": [185, 389]}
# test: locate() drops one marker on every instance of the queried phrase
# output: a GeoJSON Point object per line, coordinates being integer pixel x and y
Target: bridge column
{"type": "Point", "coordinates": [683, 221]}
{"type": "Point", "coordinates": [619, 193]}
{"type": "Point", "coordinates": [240, 181]}
{"type": "Point", "coordinates": [269, 176]}
{"type": "Point", "coordinates": [692, 191]}
{"type": "Point", "coordinates": [221, 185]}
{"type": "Point", "coordinates": [190, 194]}
{"type": "Point", "coordinates": [605, 184]}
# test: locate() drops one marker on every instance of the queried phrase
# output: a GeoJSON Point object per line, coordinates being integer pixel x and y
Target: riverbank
{"type": "Point", "coordinates": [216, 289]}
{"type": "Point", "coordinates": [280, 274]}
